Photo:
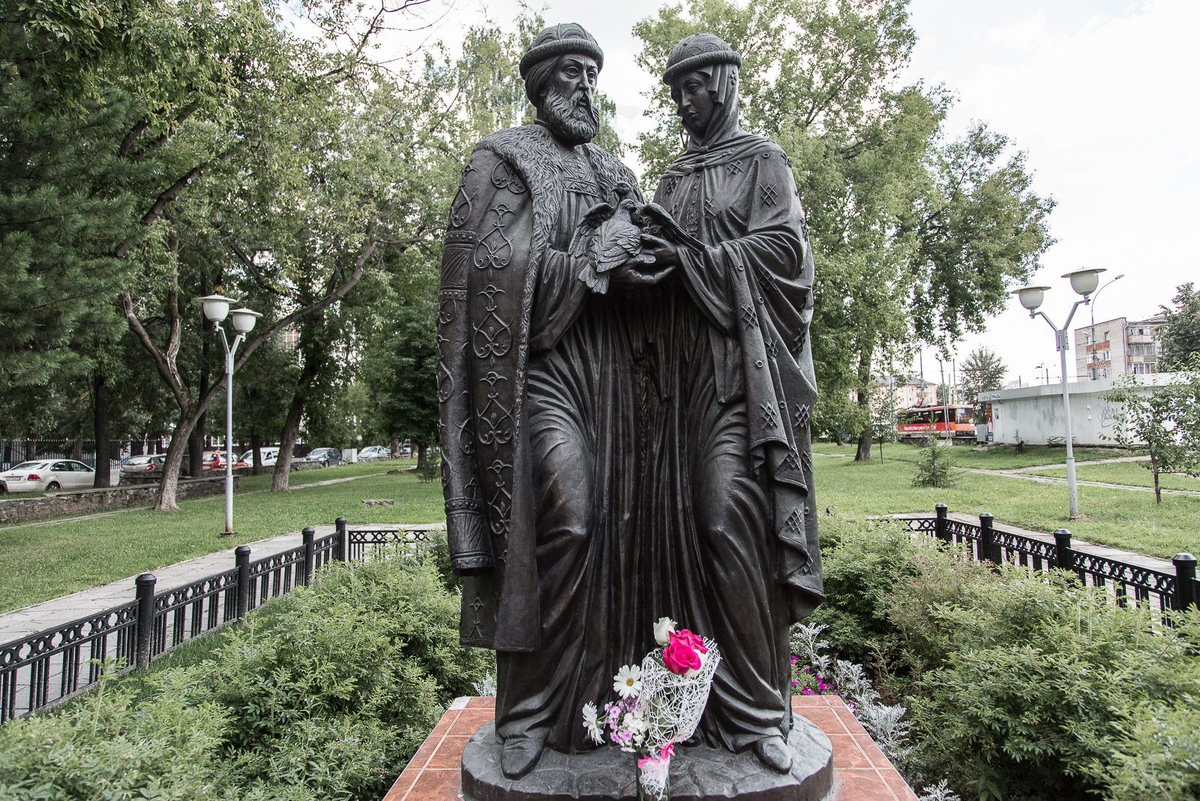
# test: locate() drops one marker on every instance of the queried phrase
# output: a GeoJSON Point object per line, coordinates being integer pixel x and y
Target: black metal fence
{"type": "Point", "coordinates": [1127, 584]}
{"type": "Point", "coordinates": [41, 670]}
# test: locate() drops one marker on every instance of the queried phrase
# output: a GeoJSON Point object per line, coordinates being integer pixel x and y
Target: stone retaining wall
{"type": "Point", "coordinates": [14, 508]}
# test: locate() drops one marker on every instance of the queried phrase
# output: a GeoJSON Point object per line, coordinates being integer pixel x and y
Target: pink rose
{"type": "Point", "coordinates": [681, 655]}
{"type": "Point", "coordinates": [693, 640]}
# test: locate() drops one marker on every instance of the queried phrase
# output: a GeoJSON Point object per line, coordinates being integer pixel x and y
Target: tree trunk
{"type": "Point", "coordinates": [881, 450]}
{"type": "Point", "coordinates": [168, 486]}
{"type": "Point", "coordinates": [394, 447]}
{"type": "Point", "coordinates": [287, 442]}
{"type": "Point", "coordinates": [100, 428]}
{"type": "Point", "coordinates": [421, 458]}
{"type": "Point", "coordinates": [1154, 470]}
{"type": "Point", "coordinates": [863, 454]}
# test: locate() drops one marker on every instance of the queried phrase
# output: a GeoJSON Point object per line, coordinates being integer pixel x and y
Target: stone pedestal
{"type": "Point", "coordinates": [608, 773]}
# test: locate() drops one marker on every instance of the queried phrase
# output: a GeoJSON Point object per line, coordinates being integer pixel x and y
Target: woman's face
{"type": "Point", "coordinates": [693, 102]}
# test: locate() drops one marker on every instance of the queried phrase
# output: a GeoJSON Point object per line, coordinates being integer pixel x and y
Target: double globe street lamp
{"type": "Point", "coordinates": [216, 309]}
{"type": "Point", "coordinates": [1084, 282]}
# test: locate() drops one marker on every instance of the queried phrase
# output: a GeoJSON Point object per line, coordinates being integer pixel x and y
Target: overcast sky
{"type": "Point", "coordinates": [1096, 91]}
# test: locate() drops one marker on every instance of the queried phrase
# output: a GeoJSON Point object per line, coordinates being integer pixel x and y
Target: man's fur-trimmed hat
{"type": "Point", "coordinates": [566, 37]}
{"type": "Point", "coordinates": [698, 50]}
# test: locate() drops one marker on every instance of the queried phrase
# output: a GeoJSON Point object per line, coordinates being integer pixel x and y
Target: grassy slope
{"type": "Point", "coordinates": [42, 562]}
{"type": "Point", "coordinates": [1119, 518]}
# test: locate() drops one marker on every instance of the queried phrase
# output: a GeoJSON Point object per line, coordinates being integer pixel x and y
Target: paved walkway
{"type": "Point", "coordinates": [66, 608]}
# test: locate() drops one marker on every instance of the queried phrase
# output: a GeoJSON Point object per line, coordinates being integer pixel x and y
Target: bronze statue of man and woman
{"type": "Point", "coordinates": [619, 450]}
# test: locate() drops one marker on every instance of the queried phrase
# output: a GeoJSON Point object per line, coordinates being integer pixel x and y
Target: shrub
{"type": "Point", "coordinates": [324, 694]}
{"type": "Point", "coordinates": [1017, 686]}
{"type": "Point", "coordinates": [934, 467]}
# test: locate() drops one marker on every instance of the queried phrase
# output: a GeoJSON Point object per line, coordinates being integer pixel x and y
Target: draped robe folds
{"type": "Point", "coordinates": [729, 527]}
{"type": "Point", "coordinates": [537, 426]}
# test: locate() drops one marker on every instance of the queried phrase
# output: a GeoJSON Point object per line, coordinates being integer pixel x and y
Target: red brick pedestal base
{"type": "Point", "coordinates": [861, 771]}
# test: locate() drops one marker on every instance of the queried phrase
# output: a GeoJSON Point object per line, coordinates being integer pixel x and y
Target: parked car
{"type": "Point", "coordinates": [51, 475]}
{"type": "Point", "coordinates": [213, 460]}
{"type": "Point", "coordinates": [268, 455]}
{"type": "Point", "coordinates": [374, 453]}
{"type": "Point", "coordinates": [328, 457]}
{"type": "Point", "coordinates": [143, 466]}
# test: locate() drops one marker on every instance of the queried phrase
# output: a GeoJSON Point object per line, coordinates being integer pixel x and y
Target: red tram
{"type": "Point", "coordinates": [946, 422]}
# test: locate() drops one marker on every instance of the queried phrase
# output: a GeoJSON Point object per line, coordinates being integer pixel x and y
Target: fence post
{"type": "Point", "coordinates": [940, 526]}
{"type": "Point", "coordinates": [241, 558]}
{"type": "Point", "coordinates": [987, 546]}
{"type": "Point", "coordinates": [339, 551]}
{"type": "Point", "coordinates": [1185, 581]}
{"type": "Point", "coordinates": [1062, 549]}
{"type": "Point", "coordinates": [145, 619]}
{"type": "Point", "coordinates": [306, 574]}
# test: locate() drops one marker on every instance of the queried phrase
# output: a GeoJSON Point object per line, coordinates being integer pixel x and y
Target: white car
{"type": "Point", "coordinates": [51, 475]}
{"type": "Point", "coordinates": [268, 455]}
{"type": "Point", "coordinates": [374, 453]}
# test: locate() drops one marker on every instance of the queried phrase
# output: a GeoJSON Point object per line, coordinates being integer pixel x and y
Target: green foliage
{"type": "Point", "coordinates": [1165, 417]}
{"type": "Point", "coordinates": [1180, 333]}
{"type": "Point", "coordinates": [983, 371]}
{"type": "Point", "coordinates": [935, 467]}
{"type": "Point", "coordinates": [325, 694]}
{"type": "Point", "coordinates": [1017, 686]}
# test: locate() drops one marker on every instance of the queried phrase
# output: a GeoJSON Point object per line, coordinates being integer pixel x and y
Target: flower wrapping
{"type": "Point", "coordinates": [670, 704]}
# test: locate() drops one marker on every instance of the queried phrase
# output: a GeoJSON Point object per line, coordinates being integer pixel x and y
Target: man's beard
{"type": "Point", "coordinates": [575, 123]}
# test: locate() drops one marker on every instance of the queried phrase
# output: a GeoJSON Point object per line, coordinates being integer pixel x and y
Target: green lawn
{"type": "Point", "coordinates": [42, 562]}
{"type": "Point", "coordinates": [1130, 473]}
{"type": "Point", "coordinates": [1120, 518]}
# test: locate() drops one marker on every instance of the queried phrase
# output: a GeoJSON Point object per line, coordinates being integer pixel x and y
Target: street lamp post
{"type": "Point", "coordinates": [1092, 335]}
{"type": "Point", "coordinates": [1084, 282]}
{"type": "Point", "coordinates": [216, 309]}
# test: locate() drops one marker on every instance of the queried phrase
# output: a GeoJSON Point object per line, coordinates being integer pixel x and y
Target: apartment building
{"type": "Point", "coordinates": [1116, 347]}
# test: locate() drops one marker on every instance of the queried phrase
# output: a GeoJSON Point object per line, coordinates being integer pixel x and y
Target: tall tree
{"type": "Point", "coordinates": [915, 238]}
{"type": "Point", "coordinates": [1180, 334]}
{"type": "Point", "coordinates": [983, 371]}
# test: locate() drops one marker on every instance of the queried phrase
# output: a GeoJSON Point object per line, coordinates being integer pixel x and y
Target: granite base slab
{"type": "Point", "coordinates": [608, 773]}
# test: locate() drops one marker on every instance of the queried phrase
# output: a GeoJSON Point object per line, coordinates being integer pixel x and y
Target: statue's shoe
{"type": "Point", "coordinates": [520, 754]}
{"type": "Point", "coordinates": [774, 753]}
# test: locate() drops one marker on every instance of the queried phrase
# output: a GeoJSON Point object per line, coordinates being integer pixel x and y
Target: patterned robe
{"type": "Point", "coordinates": [730, 522]}
{"type": "Point", "coordinates": [537, 427]}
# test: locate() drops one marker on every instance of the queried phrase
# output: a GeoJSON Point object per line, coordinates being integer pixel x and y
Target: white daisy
{"type": "Point", "coordinates": [591, 722]}
{"type": "Point", "coordinates": [628, 681]}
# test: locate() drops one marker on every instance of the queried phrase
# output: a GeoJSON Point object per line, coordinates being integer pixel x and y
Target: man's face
{"type": "Point", "coordinates": [693, 102]}
{"type": "Point", "coordinates": [568, 105]}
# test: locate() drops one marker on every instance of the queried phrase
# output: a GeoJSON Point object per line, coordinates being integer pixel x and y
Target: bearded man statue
{"type": "Point", "coordinates": [536, 384]}
{"type": "Point", "coordinates": [731, 545]}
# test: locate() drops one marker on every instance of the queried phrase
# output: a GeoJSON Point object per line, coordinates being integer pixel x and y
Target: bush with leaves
{"type": "Point", "coordinates": [324, 694]}
{"type": "Point", "coordinates": [1017, 686]}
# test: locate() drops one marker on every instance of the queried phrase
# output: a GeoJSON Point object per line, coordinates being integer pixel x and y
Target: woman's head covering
{"type": "Point", "coordinates": [537, 65]}
{"type": "Point", "coordinates": [711, 56]}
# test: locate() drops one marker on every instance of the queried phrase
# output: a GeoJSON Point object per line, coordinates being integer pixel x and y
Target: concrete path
{"type": "Point", "coordinates": [1037, 467]}
{"type": "Point", "coordinates": [57, 611]}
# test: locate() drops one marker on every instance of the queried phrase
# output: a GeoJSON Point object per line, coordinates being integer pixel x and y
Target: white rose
{"type": "Point", "coordinates": [662, 627]}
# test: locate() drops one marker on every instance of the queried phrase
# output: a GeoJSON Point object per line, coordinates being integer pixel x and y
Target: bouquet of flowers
{"type": "Point", "coordinates": [660, 703]}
